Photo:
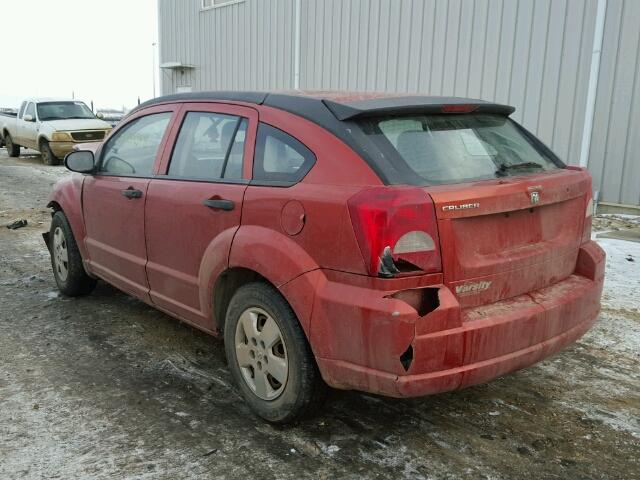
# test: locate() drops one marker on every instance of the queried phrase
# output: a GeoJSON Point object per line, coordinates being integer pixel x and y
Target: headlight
{"type": "Point", "coordinates": [61, 137]}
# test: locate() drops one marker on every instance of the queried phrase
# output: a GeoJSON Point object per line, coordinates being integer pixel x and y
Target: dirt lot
{"type": "Point", "coordinates": [106, 387]}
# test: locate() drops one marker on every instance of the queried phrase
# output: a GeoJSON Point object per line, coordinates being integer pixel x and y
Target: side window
{"type": "Point", "coordinates": [31, 110]}
{"type": "Point", "coordinates": [280, 157]}
{"type": "Point", "coordinates": [210, 146]}
{"type": "Point", "coordinates": [133, 150]}
{"type": "Point", "coordinates": [22, 109]}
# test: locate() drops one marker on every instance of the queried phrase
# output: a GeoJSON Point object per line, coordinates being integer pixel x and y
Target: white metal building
{"type": "Point", "coordinates": [570, 67]}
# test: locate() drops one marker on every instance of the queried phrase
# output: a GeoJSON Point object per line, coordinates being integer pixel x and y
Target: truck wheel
{"type": "Point", "coordinates": [47, 155]}
{"type": "Point", "coordinates": [68, 270]}
{"type": "Point", "coordinates": [269, 355]}
{"type": "Point", "coordinates": [12, 149]}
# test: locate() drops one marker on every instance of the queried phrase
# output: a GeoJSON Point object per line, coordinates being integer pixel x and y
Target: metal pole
{"type": "Point", "coordinates": [153, 55]}
{"type": "Point", "coordinates": [598, 35]}
{"type": "Point", "coordinates": [296, 53]}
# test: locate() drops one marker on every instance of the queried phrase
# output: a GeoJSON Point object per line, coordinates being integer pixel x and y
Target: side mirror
{"type": "Point", "coordinates": [81, 161]}
{"type": "Point", "coordinates": [28, 118]}
{"type": "Point", "coordinates": [100, 115]}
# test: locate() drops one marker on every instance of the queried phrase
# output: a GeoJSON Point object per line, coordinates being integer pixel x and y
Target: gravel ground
{"type": "Point", "coordinates": [106, 387]}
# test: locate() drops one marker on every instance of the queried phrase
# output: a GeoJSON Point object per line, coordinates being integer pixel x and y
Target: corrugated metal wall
{"type": "Point", "coordinates": [615, 145]}
{"type": "Point", "coordinates": [533, 54]}
{"type": "Point", "coordinates": [247, 45]}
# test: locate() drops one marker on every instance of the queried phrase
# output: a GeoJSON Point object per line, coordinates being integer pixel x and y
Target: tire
{"type": "Point", "coordinates": [248, 326]}
{"type": "Point", "coordinates": [13, 150]}
{"type": "Point", "coordinates": [70, 276]}
{"type": "Point", "coordinates": [47, 155]}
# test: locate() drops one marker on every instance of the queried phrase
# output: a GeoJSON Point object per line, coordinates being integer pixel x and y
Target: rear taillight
{"type": "Point", "coordinates": [459, 108]}
{"type": "Point", "coordinates": [396, 230]}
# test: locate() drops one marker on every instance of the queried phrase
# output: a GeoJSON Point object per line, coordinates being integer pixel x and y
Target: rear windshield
{"type": "Point", "coordinates": [452, 148]}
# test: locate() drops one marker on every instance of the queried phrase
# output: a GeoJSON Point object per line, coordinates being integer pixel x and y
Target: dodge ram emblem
{"type": "Point", "coordinates": [535, 197]}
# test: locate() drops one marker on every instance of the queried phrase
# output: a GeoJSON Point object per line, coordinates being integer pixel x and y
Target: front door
{"type": "Point", "coordinates": [194, 209]}
{"type": "Point", "coordinates": [114, 201]}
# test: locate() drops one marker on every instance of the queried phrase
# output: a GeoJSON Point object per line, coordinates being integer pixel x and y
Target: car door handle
{"type": "Point", "coordinates": [132, 193]}
{"type": "Point", "coordinates": [219, 204]}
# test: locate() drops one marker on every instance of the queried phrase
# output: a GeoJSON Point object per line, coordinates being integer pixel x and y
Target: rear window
{"type": "Point", "coordinates": [452, 148]}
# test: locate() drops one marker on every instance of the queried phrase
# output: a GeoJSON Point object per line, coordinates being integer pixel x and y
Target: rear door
{"type": "Point", "coordinates": [27, 130]}
{"type": "Point", "coordinates": [17, 122]}
{"type": "Point", "coordinates": [114, 200]}
{"type": "Point", "coordinates": [193, 209]}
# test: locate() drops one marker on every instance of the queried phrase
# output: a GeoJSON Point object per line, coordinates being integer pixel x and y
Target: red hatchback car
{"type": "Point", "coordinates": [398, 245]}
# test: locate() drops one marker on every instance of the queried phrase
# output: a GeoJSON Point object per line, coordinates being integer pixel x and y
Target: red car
{"type": "Point", "coordinates": [398, 245]}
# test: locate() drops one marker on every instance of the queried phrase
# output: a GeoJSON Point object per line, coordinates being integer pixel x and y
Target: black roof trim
{"type": "Point", "coordinates": [313, 107]}
{"type": "Point", "coordinates": [408, 104]}
{"type": "Point", "coordinates": [339, 118]}
{"type": "Point", "coordinates": [257, 98]}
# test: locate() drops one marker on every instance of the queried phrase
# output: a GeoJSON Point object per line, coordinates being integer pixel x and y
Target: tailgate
{"type": "Point", "coordinates": [505, 237]}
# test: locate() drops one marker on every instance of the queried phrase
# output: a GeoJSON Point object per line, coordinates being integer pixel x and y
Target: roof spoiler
{"type": "Point", "coordinates": [417, 104]}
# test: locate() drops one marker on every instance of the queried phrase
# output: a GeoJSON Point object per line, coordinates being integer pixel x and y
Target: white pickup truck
{"type": "Point", "coordinates": [53, 127]}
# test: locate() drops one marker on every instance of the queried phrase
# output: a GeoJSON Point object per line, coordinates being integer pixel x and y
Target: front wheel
{"type": "Point", "coordinates": [66, 261]}
{"type": "Point", "coordinates": [47, 155]}
{"type": "Point", "coordinates": [269, 355]}
{"type": "Point", "coordinates": [13, 150]}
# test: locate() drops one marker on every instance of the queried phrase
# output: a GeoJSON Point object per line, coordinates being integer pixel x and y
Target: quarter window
{"type": "Point", "coordinates": [280, 157]}
{"type": "Point", "coordinates": [210, 146]}
{"type": "Point", "coordinates": [132, 151]}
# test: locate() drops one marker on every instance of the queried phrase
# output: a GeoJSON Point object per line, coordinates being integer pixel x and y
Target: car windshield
{"type": "Point", "coordinates": [453, 148]}
{"type": "Point", "coordinates": [63, 111]}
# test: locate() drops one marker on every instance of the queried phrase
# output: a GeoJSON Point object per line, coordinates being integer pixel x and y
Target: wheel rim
{"type": "Point", "coordinates": [45, 155]}
{"type": "Point", "coordinates": [60, 254]}
{"type": "Point", "coordinates": [261, 353]}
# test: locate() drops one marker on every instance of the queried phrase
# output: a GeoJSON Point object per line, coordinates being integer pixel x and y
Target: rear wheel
{"type": "Point", "coordinates": [47, 155]}
{"type": "Point", "coordinates": [269, 355]}
{"type": "Point", "coordinates": [68, 270]}
{"type": "Point", "coordinates": [13, 150]}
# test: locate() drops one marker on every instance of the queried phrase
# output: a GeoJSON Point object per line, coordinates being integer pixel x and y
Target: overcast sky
{"type": "Point", "coordinates": [99, 49]}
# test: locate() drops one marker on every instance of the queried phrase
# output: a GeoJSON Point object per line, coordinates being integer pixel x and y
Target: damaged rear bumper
{"type": "Point", "coordinates": [379, 342]}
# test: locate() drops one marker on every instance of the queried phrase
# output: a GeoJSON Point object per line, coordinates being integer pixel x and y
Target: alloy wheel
{"type": "Point", "coordinates": [261, 353]}
{"type": "Point", "coordinates": [60, 254]}
{"type": "Point", "coordinates": [45, 155]}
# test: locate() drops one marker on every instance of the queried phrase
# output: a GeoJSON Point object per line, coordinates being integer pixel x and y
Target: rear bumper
{"type": "Point", "coordinates": [366, 339]}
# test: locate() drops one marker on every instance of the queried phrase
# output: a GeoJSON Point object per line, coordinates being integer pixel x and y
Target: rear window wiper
{"type": "Point", "coordinates": [504, 168]}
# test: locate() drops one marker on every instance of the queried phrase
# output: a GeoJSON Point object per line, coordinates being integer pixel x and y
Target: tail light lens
{"type": "Point", "coordinates": [459, 108]}
{"type": "Point", "coordinates": [396, 225]}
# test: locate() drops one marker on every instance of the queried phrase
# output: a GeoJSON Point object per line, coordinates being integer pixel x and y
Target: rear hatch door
{"type": "Point", "coordinates": [505, 237]}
